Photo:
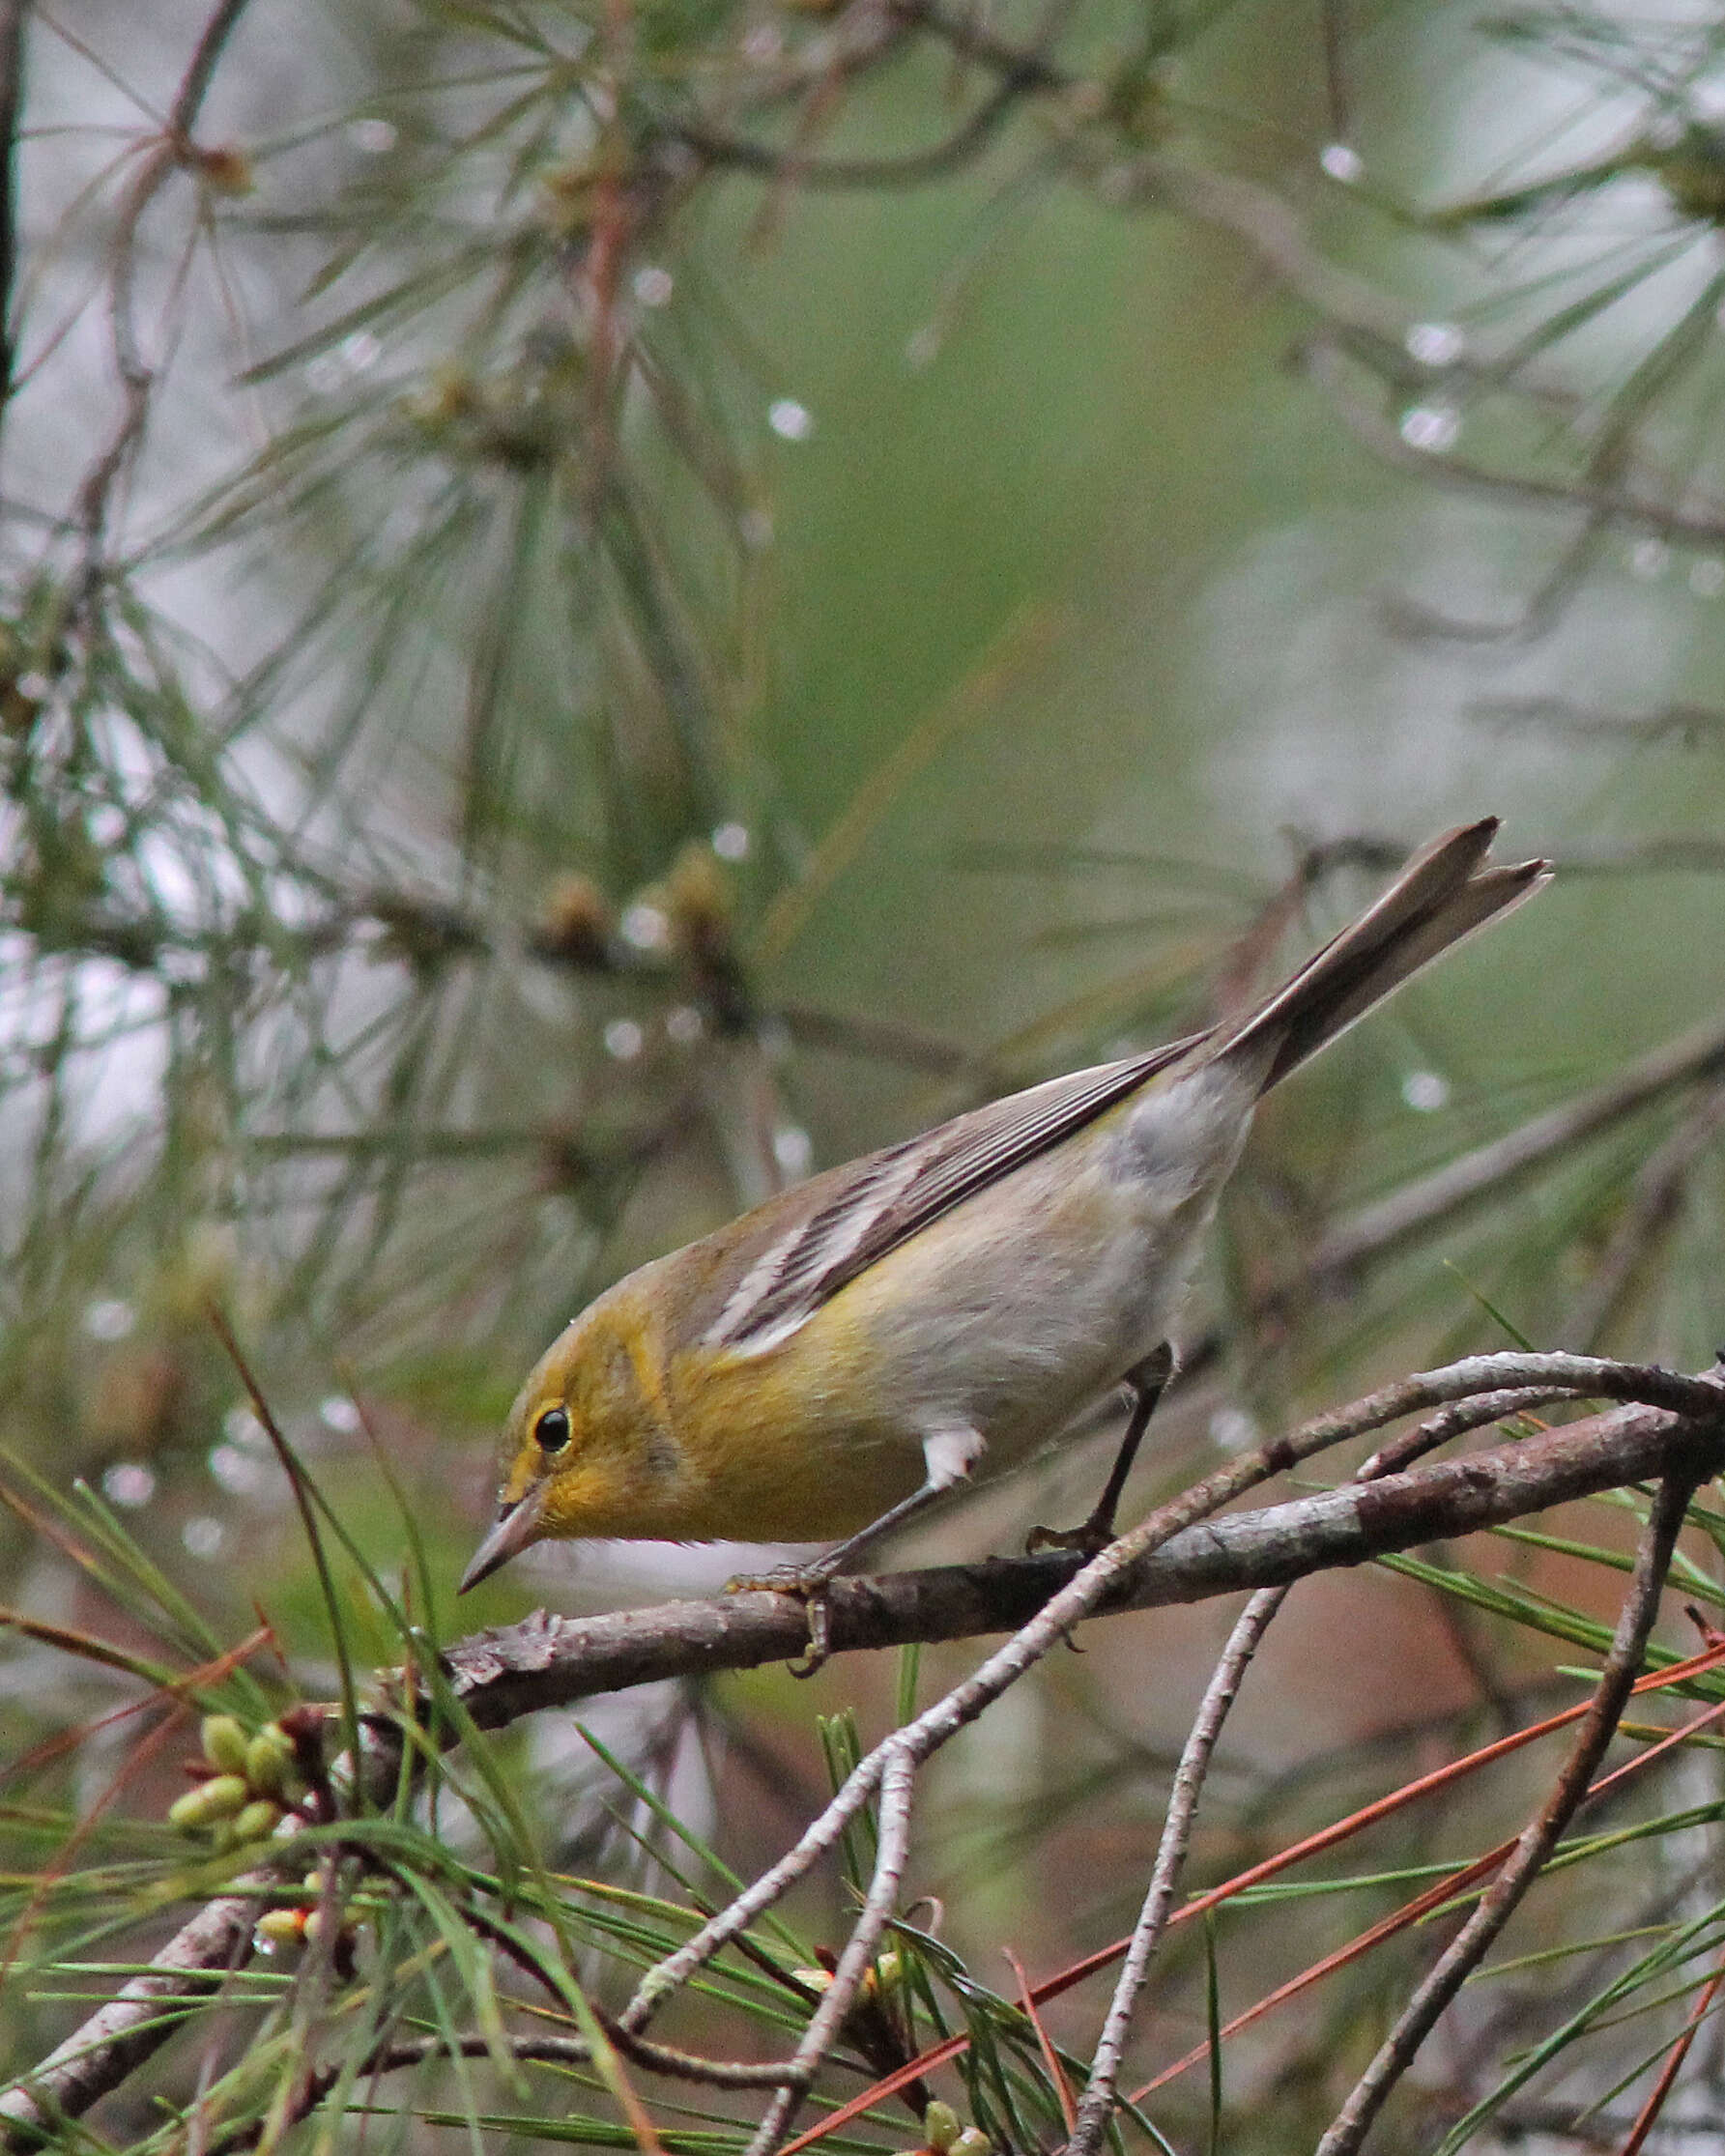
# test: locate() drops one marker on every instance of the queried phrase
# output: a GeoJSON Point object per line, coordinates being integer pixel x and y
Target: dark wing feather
{"type": "Point", "coordinates": [892, 1195]}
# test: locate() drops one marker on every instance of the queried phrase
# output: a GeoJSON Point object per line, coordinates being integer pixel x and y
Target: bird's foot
{"type": "Point", "coordinates": [811, 1585]}
{"type": "Point", "coordinates": [1094, 1534]}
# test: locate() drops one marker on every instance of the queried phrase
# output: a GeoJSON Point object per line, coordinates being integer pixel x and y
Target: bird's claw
{"type": "Point", "coordinates": [812, 1587]}
{"type": "Point", "coordinates": [1093, 1536]}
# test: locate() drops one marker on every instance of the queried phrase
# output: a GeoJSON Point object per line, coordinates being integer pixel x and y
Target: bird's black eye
{"type": "Point", "coordinates": [551, 1432]}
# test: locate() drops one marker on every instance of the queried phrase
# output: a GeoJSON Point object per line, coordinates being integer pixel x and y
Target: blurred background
{"type": "Point", "coordinates": [604, 606]}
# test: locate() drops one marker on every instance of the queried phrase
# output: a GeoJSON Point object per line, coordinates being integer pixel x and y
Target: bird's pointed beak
{"type": "Point", "coordinates": [517, 1527]}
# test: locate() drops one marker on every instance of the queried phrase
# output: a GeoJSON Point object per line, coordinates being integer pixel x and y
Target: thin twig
{"type": "Point", "coordinates": [1097, 2105]}
{"type": "Point", "coordinates": [1612, 503]}
{"type": "Point", "coordinates": [195, 83]}
{"type": "Point", "coordinates": [1458, 1420]}
{"type": "Point", "coordinates": [1538, 1839]}
{"type": "Point", "coordinates": [825, 2025]}
{"type": "Point", "coordinates": [136, 376]}
{"type": "Point", "coordinates": [399, 2054]}
{"type": "Point", "coordinates": [1277, 237]}
{"type": "Point", "coordinates": [1021, 72]}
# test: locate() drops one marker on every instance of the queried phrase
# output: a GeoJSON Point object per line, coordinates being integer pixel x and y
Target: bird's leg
{"type": "Point", "coordinates": [1146, 1384]}
{"type": "Point", "coordinates": [949, 1456]}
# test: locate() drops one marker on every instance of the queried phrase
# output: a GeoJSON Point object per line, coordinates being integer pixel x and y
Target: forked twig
{"type": "Point", "coordinates": [826, 2023]}
{"type": "Point", "coordinates": [1097, 2105]}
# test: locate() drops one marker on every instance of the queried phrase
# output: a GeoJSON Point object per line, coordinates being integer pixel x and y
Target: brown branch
{"type": "Point", "coordinates": [549, 1661]}
{"type": "Point", "coordinates": [395, 2056]}
{"type": "Point", "coordinates": [194, 84]}
{"type": "Point", "coordinates": [1020, 72]}
{"type": "Point", "coordinates": [913, 170]}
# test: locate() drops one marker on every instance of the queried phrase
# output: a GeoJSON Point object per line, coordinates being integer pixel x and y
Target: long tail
{"type": "Point", "coordinates": [1442, 894]}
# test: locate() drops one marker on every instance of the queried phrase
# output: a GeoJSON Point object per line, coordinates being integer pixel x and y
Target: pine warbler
{"type": "Point", "coordinates": [854, 1348]}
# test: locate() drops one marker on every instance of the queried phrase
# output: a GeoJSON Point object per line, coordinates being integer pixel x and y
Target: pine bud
{"type": "Point", "coordinates": [257, 1821]}
{"type": "Point", "coordinates": [267, 1759]}
{"type": "Point", "coordinates": [940, 2128]}
{"type": "Point", "coordinates": [281, 1927]}
{"type": "Point", "coordinates": [217, 1799]}
{"type": "Point", "coordinates": [225, 1743]}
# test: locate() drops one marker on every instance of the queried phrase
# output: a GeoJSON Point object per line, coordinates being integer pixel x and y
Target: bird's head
{"type": "Point", "coordinates": [573, 1445]}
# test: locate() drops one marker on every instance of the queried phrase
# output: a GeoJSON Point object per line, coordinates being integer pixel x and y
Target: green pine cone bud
{"type": "Point", "coordinates": [187, 1812]}
{"type": "Point", "coordinates": [217, 1799]}
{"type": "Point", "coordinates": [257, 1821]}
{"type": "Point", "coordinates": [225, 1743]}
{"type": "Point", "coordinates": [268, 1760]}
{"type": "Point", "coordinates": [940, 2128]}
